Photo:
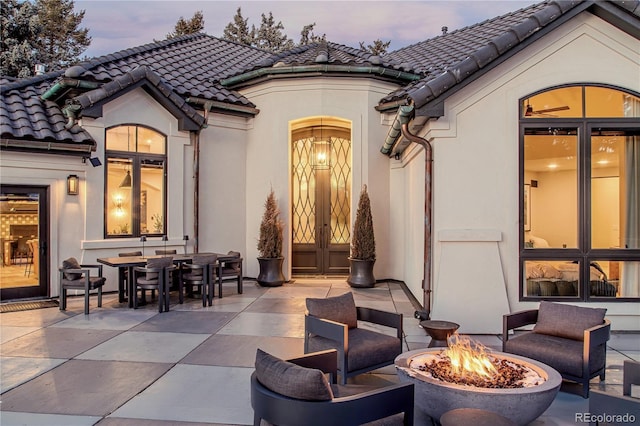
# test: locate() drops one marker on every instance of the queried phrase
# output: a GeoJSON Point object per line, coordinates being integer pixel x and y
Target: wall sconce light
{"type": "Point", "coordinates": [72, 184]}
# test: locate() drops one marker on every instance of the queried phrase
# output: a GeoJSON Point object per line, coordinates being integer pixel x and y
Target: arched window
{"type": "Point", "coordinates": [580, 186]}
{"type": "Point", "coordinates": [135, 201]}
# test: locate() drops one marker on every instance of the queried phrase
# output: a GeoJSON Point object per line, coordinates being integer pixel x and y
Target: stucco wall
{"type": "Point", "coordinates": [223, 146]}
{"type": "Point", "coordinates": [476, 166]}
{"type": "Point", "coordinates": [135, 107]}
{"type": "Point", "coordinates": [268, 152]}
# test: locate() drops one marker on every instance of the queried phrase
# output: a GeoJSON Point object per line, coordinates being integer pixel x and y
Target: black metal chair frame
{"type": "Point", "coordinates": [343, 411]}
{"type": "Point", "coordinates": [83, 283]}
{"type": "Point", "coordinates": [221, 277]}
{"type": "Point", "coordinates": [162, 285]}
{"type": "Point", "coordinates": [593, 337]}
{"type": "Point", "coordinates": [206, 284]}
{"type": "Point", "coordinates": [340, 333]}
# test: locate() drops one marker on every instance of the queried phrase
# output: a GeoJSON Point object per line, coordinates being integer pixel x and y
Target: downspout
{"type": "Point", "coordinates": [195, 139]}
{"type": "Point", "coordinates": [426, 283]}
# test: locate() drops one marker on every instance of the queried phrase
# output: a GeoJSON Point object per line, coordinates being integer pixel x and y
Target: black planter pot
{"type": "Point", "coordinates": [361, 273]}
{"type": "Point", "coordinates": [271, 271]}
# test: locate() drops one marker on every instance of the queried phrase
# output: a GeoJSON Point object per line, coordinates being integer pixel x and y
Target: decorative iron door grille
{"type": "Point", "coordinates": [321, 205]}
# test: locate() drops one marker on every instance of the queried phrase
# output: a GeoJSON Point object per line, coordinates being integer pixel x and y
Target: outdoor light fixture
{"type": "Point", "coordinates": [72, 184]}
{"type": "Point", "coordinates": [143, 239]}
{"type": "Point", "coordinates": [126, 182]}
{"type": "Point", "coordinates": [321, 152]}
{"type": "Point", "coordinates": [95, 161]}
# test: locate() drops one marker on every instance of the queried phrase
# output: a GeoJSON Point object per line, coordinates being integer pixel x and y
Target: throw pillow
{"type": "Point", "coordinates": [71, 263]}
{"type": "Point", "coordinates": [568, 321]}
{"type": "Point", "coordinates": [341, 309]}
{"type": "Point", "coordinates": [289, 379]}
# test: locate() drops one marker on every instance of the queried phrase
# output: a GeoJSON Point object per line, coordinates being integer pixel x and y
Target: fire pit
{"type": "Point", "coordinates": [471, 376]}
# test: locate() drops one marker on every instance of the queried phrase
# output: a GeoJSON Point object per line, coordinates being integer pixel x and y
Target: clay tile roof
{"type": "Point", "coordinates": [448, 60]}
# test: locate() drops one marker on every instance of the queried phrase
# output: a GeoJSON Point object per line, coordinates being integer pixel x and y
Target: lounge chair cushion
{"type": "Point", "coordinates": [556, 319]}
{"type": "Point", "coordinates": [341, 309]}
{"type": "Point", "coordinates": [366, 347]}
{"type": "Point", "coordinates": [71, 263]}
{"type": "Point", "coordinates": [565, 355]}
{"type": "Point", "coordinates": [291, 380]}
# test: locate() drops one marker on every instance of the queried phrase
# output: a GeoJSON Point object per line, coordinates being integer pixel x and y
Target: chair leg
{"type": "Point", "coordinates": [63, 298]}
{"type": "Point", "coordinates": [99, 297]}
{"type": "Point", "coordinates": [86, 301]}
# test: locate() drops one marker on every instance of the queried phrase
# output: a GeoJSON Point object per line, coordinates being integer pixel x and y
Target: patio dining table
{"type": "Point", "coordinates": [130, 262]}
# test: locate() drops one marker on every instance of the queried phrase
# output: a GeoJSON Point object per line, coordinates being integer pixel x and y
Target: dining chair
{"type": "Point", "coordinates": [229, 270]}
{"type": "Point", "coordinates": [201, 272]}
{"type": "Point", "coordinates": [154, 276]}
{"type": "Point", "coordinates": [78, 277]}
{"type": "Point", "coordinates": [124, 272]}
{"type": "Point", "coordinates": [165, 252]}
{"type": "Point", "coordinates": [175, 276]}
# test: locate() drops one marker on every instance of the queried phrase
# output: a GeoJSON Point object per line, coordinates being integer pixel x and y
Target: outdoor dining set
{"type": "Point", "coordinates": [162, 272]}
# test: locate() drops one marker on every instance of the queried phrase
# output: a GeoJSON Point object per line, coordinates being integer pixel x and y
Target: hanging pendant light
{"type": "Point", "coordinates": [126, 182]}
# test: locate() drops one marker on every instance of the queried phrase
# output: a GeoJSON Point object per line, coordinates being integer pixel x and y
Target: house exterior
{"type": "Point", "coordinates": [458, 132]}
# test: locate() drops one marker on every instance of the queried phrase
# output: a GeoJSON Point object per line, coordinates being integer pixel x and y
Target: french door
{"type": "Point", "coordinates": [321, 188]}
{"type": "Point", "coordinates": [24, 236]}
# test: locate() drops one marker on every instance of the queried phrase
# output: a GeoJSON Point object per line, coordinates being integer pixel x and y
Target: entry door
{"type": "Point", "coordinates": [24, 237]}
{"type": "Point", "coordinates": [321, 205]}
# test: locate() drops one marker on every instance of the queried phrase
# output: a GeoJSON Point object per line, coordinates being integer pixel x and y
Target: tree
{"type": "Point", "coordinates": [378, 48]}
{"type": "Point", "coordinates": [61, 40]}
{"type": "Point", "coordinates": [19, 31]}
{"type": "Point", "coordinates": [307, 36]}
{"type": "Point", "coordinates": [238, 30]}
{"type": "Point", "coordinates": [270, 36]}
{"type": "Point", "coordinates": [192, 26]}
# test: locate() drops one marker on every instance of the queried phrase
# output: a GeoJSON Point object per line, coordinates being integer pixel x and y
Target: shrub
{"type": "Point", "coordinates": [271, 229]}
{"type": "Point", "coordinates": [363, 242]}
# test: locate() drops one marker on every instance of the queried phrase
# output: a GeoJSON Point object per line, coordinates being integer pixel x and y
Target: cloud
{"type": "Point", "coordinates": [115, 24]}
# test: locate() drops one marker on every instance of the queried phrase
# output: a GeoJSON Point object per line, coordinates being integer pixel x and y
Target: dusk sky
{"type": "Point", "coordinates": [115, 24]}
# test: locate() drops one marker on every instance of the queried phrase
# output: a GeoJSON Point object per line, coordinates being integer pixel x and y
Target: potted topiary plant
{"type": "Point", "coordinates": [363, 245]}
{"type": "Point", "coordinates": [270, 245]}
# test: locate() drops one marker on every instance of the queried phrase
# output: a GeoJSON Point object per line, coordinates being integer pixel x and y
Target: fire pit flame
{"type": "Point", "coordinates": [471, 364]}
{"type": "Point", "coordinates": [466, 360]}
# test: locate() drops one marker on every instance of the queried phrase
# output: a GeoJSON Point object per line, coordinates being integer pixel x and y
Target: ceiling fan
{"type": "Point", "coordinates": [544, 112]}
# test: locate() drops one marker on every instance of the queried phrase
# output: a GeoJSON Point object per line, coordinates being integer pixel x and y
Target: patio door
{"type": "Point", "coordinates": [321, 188]}
{"type": "Point", "coordinates": [24, 238]}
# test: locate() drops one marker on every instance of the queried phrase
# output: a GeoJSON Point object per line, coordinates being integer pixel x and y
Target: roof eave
{"type": "Point", "coordinates": [260, 74]}
{"type": "Point", "coordinates": [434, 92]}
{"type": "Point", "coordinates": [52, 147]}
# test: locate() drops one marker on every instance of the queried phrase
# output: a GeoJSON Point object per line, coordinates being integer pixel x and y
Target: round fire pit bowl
{"type": "Point", "coordinates": [434, 397]}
